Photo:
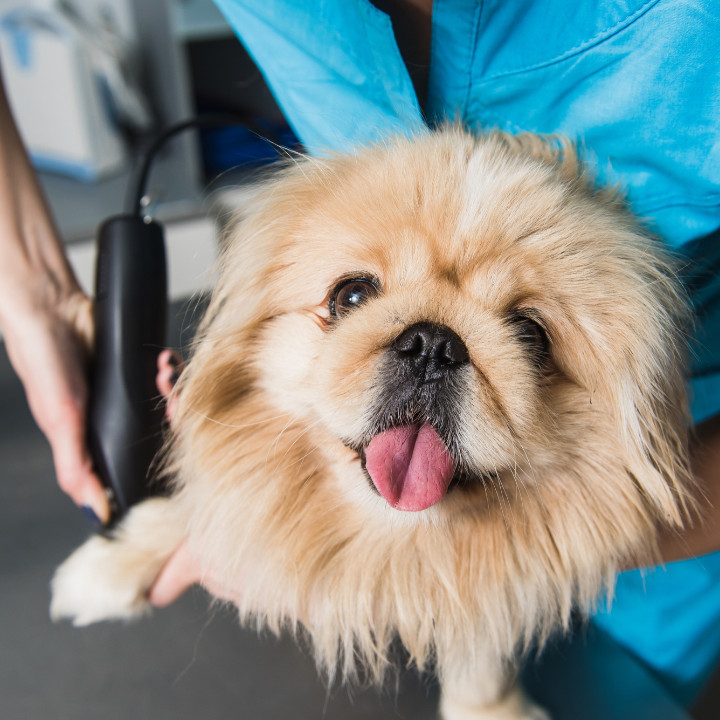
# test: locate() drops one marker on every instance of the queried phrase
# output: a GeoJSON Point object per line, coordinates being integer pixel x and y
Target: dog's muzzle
{"type": "Point", "coordinates": [410, 452]}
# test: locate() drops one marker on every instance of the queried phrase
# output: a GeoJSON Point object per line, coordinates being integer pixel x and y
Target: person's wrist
{"type": "Point", "coordinates": [34, 299]}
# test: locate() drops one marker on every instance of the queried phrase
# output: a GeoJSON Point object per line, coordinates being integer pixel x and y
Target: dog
{"type": "Point", "coordinates": [438, 397]}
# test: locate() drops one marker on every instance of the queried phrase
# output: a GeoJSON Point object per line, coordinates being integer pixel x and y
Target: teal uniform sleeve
{"type": "Point", "coordinates": [333, 67]}
{"type": "Point", "coordinates": [669, 617]}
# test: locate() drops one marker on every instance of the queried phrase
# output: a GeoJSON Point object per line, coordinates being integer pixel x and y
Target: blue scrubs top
{"type": "Point", "coordinates": [636, 82]}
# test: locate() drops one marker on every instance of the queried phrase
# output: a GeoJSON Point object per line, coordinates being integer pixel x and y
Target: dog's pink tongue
{"type": "Point", "coordinates": [410, 466]}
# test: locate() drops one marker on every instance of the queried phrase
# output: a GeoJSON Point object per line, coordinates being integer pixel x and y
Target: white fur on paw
{"type": "Point", "coordinates": [91, 585]}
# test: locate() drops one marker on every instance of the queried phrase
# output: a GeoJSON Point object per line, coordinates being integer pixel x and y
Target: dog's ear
{"type": "Point", "coordinates": [647, 335]}
{"type": "Point", "coordinates": [622, 336]}
{"type": "Point", "coordinates": [651, 399]}
{"type": "Point", "coordinates": [658, 458]}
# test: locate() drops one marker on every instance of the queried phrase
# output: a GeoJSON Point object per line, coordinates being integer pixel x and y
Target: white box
{"type": "Point", "coordinates": [61, 104]}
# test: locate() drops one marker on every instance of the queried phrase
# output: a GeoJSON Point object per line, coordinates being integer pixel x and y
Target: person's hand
{"type": "Point", "coordinates": [49, 347]}
{"type": "Point", "coordinates": [703, 536]}
{"type": "Point", "coordinates": [182, 570]}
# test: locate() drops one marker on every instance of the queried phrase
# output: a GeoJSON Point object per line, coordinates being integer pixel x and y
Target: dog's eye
{"type": "Point", "coordinates": [531, 332]}
{"type": "Point", "coordinates": [350, 293]}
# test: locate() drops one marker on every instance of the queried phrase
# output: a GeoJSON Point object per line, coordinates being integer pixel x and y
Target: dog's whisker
{"type": "Point", "coordinates": [534, 485]}
{"type": "Point", "coordinates": [234, 426]}
{"type": "Point", "coordinates": [302, 459]}
{"type": "Point", "coordinates": [513, 472]}
{"type": "Point", "coordinates": [494, 483]}
{"type": "Point", "coordinates": [517, 473]}
{"type": "Point", "coordinates": [519, 487]}
{"type": "Point", "coordinates": [301, 435]}
{"type": "Point", "coordinates": [272, 448]}
{"type": "Point", "coordinates": [502, 489]}
{"type": "Point", "coordinates": [508, 495]}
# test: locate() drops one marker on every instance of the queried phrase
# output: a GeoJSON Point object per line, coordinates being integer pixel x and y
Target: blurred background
{"type": "Point", "coordinates": [90, 82]}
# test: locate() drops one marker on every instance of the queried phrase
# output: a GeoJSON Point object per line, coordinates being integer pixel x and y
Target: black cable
{"type": "Point", "coordinates": [210, 120]}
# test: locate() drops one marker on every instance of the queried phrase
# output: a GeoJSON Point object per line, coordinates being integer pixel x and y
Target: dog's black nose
{"type": "Point", "coordinates": [430, 350]}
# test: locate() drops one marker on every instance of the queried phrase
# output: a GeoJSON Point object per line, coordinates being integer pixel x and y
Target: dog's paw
{"type": "Point", "coordinates": [94, 584]}
{"type": "Point", "coordinates": [110, 578]}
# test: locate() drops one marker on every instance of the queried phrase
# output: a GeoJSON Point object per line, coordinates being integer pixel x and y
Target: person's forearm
{"type": "Point", "coordinates": [704, 535]}
{"type": "Point", "coordinates": [46, 320]}
{"type": "Point", "coordinates": [33, 267]}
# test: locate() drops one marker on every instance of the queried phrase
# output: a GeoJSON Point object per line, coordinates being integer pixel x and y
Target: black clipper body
{"type": "Point", "coordinates": [125, 415]}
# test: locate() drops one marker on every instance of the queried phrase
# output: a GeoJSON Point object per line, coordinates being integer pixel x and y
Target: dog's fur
{"type": "Point", "coordinates": [568, 421]}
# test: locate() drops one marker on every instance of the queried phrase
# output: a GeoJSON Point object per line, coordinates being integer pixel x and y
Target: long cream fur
{"type": "Point", "coordinates": [590, 458]}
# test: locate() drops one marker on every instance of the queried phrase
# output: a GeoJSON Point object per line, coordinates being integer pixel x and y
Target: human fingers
{"type": "Point", "coordinates": [50, 358]}
{"type": "Point", "coordinates": [74, 470]}
{"type": "Point", "coordinates": [177, 576]}
{"type": "Point", "coordinates": [170, 365]}
{"type": "Point", "coordinates": [182, 571]}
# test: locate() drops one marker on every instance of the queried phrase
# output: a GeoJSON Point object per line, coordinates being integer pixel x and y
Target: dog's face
{"type": "Point", "coordinates": [420, 330]}
{"type": "Point", "coordinates": [450, 316]}
{"type": "Point", "coordinates": [452, 333]}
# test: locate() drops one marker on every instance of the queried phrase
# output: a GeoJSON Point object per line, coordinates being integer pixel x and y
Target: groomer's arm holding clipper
{"type": "Point", "coordinates": [46, 320]}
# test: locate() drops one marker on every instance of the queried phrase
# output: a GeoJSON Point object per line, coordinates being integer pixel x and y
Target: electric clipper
{"type": "Point", "coordinates": [125, 414]}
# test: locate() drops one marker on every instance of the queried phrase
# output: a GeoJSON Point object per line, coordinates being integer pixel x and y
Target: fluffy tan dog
{"type": "Point", "coordinates": [438, 396]}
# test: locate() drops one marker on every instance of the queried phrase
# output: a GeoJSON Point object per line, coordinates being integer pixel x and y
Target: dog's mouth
{"type": "Point", "coordinates": [411, 467]}
{"type": "Point", "coordinates": [411, 452]}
